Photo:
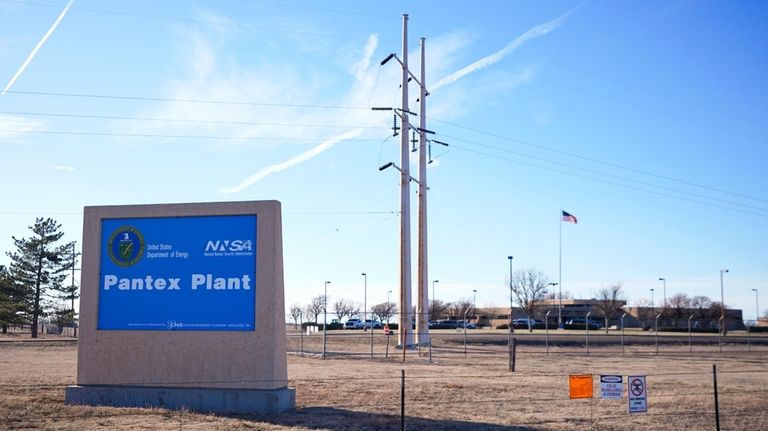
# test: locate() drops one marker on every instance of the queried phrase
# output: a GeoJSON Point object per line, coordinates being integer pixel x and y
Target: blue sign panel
{"type": "Point", "coordinates": [178, 273]}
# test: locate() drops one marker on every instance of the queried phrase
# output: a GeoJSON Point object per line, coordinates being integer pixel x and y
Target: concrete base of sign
{"type": "Point", "coordinates": [214, 400]}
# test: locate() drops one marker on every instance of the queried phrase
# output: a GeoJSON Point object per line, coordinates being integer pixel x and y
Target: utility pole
{"type": "Point", "coordinates": [422, 322]}
{"type": "Point", "coordinates": [405, 336]}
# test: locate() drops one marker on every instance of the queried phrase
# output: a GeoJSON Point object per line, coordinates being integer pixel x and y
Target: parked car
{"type": "Point", "coordinates": [352, 323]}
{"type": "Point", "coordinates": [581, 323]}
{"type": "Point", "coordinates": [523, 323]}
{"type": "Point", "coordinates": [369, 323]}
{"type": "Point", "coordinates": [444, 324]}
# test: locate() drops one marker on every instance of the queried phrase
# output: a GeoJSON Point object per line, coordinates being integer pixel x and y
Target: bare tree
{"type": "Point", "coordinates": [384, 311]}
{"type": "Point", "coordinates": [295, 310]}
{"type": "Point", "coordinates": [530, 289]}
{"type": "Point", "coordinates": [462, 307]}
{"type": "Point", "coordinates": [609, 302]}
{"type": "Point", "coordinates": [344, 308]}
{"type": "Point", "coordinates": [677, 306]}
{"type": "Point", "coordinates": [702, 305]}
{"type": "Point", "coordinates": [644, 310]}
{"type": "Point", "coordinates": [315, 307]}
{"type": "Point", "coordinates": [438, 309]}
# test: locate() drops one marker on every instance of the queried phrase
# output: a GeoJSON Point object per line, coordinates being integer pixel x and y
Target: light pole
{"type": "Point", "coordinates": [433, 289]}
{"type": "Point", "coordinates": [325, 315]}
{"type": "Point", "coordinates": [511, 330]}
{"type": "Point", "coordinates": [664, 290]}
{"type": "Point", "coordinates": [757, 308]}
{"type": "Point", "coordinates": [388, 292]}
{"type": "Point", "coordinates": [722, 301]}
{"type": "Point", "coordinates": [474, 305]}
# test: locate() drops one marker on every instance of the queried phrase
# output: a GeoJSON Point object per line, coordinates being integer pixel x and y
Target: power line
{"type": "Point", "coordinates": [314, 106]}
{"type": "Point", "coordinates": [595, 75]}
{"type": "Point", "coordinates": [611, 182]}
{"type": "Point", "coordinates": [602, 162]}
{"type": "Point", "coordinates": [175, 100]}
{"type": "Point", "coordinates": [592, 171]}
{"type": "Point", "coordinates": [156, 135]}
{"type": "Point", "coordinates": [183, 120]}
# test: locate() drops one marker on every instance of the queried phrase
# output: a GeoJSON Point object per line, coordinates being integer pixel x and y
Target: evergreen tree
{"type": "Point", "coordinates": [40, 265]}
{"type": "Point", "coordinates": [13, 301]}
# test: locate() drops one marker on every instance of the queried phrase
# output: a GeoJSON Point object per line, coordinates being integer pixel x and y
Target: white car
{"type": "Point", "coordinates": [375, 324]}
{"type": "Point", "coordinates": [353, 324]}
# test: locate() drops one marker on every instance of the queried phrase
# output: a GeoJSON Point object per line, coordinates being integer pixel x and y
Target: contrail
{"type": "Point", "coordinates": [539, 30]}
{"type": "Point", "coordinates": [303, 157]}
{"type": "Point", "coordinates": [38, 46]}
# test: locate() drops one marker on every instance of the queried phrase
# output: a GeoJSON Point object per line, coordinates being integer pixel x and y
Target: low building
{"type": "Point", "coordinates": [633, 317]}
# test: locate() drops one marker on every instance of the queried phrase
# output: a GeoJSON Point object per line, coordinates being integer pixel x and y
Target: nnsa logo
{"type": "Point", "coordinates": [235, 245]}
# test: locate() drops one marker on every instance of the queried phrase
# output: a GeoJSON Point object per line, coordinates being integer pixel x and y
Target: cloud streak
{"type": "Point", "coordinates": [37, 47]}
{"type": "Point", "coordinates": [533, 33]}
{"type": "Point", "coordinates": [293, 161]}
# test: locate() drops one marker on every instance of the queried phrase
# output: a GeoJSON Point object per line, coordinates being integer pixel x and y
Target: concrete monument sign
{"type": "Point", "coordinates": [181, 307]}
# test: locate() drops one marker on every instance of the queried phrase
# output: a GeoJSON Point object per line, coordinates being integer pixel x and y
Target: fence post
{"type": "Point", "coordinates": [514, 354]}
{"type": "Point", "coordinates": [402, 399]}
{"type": "Point", "coordinates": [301, 335]}
{"type": "Point", "coordinates": [364, 327]}
{"type": "Point", "coordinates": [386, 352]}
{"type": "Point", "coordinates": [690, 336]}
{"type": "Point", "coordinates": [720, 335]}
{"type": "Point", "coordinates": [622, 332]}
{"type": "Point", "coordinates": [546, 330]}
{"type": "Point", "coordinates": [717, 405]}
{"type": "Point", "coordinates": [405, 347]}
{"type": "Point", "coordinates": [586, 328]}
{"type": "Point", "coordinates": [430, 349]}
{"type": "Point", "coordinates": [465, 333]}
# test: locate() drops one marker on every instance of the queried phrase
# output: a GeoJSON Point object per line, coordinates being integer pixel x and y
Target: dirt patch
{"type": "Point", "coordinates": [352, 391]}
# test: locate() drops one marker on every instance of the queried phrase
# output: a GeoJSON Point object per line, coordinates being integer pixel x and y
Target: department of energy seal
{"type": "Point", "coordinates": [126, 246]}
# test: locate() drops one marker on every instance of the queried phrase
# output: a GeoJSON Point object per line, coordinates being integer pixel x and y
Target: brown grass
{"type": "Point", "coordinates": [351, 391]}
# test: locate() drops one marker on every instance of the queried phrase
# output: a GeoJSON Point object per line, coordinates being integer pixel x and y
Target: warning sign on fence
{"type": "Point", "coordinates": [611, 386]}
{"type": "Point", "coordinates": [580, 385]}
{"type": "Point", "coordinates": [637, 394]}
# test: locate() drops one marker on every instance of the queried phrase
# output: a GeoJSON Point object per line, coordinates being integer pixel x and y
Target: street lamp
{"type": "Point", "coordinates": [653, 304]}
{"type": "Point", "coordinates": [388, 292]}
{"type": "Point", "coordinates": [433, 288]}
{"type": "Point", "coordinates": [325, 315]}
{"type": "Point", "coordinates": [664, 286]}
{"type": "Point", "coordinates": [474, 305]}
{"type": "Point", "coordinates": [722, 301]}
{"type": "Point", "coordinates": [757, 309]}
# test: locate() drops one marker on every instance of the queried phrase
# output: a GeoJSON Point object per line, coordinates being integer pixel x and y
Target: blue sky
{"type": "Point", "coordinates": [646, 120]}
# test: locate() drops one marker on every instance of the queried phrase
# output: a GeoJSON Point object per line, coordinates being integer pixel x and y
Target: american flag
{"type": "Point", "coordinates": [570, 218]}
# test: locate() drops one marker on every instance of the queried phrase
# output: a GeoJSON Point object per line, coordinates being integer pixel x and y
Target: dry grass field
{"type": "Point", "coordinates": [350, 391]}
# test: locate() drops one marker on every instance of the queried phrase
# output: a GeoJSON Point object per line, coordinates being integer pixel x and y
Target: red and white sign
{"type": "Point", "coordinates": [637, 394]}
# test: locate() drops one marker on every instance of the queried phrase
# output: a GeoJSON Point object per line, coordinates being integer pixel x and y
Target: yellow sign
{"type": "Point", "coordinates": [580, 385]}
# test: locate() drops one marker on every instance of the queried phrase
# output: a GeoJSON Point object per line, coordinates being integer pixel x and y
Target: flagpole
{"type": "Point", "coordinates": [560, 274]}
